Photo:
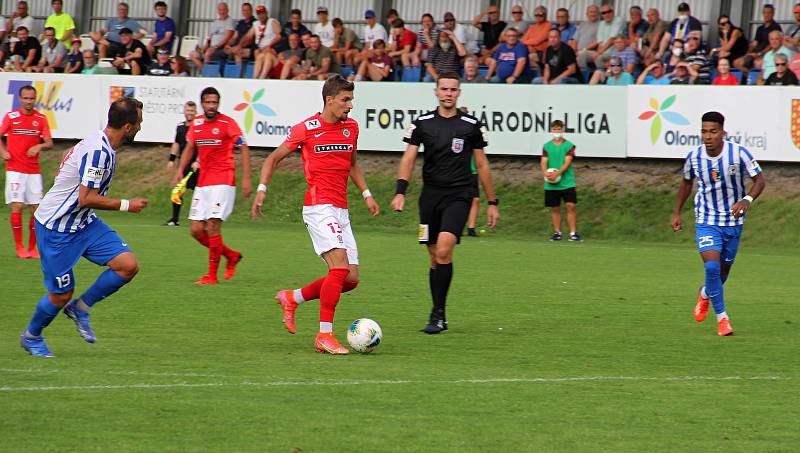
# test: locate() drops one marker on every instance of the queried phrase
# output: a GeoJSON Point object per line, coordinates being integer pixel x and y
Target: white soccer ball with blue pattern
{"type": "Point", "coordinates": [364, 335]}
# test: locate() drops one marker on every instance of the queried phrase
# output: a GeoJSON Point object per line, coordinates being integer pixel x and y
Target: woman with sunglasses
{"type": "Point", "coordinates": [732, 42]}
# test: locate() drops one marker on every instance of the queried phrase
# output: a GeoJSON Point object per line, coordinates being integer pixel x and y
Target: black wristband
{"type": "Point", "coordinates": [172, 157]}
{"type": "Point", "coordinates": [402, 186]}
{"type": "Point", "coordinates": [495, 202]}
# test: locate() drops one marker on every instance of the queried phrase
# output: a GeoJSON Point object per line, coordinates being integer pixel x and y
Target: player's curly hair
{"type": "Point", "coordinates": [123, 111]}
{"type": "Point", "coordinates": [334, 85]}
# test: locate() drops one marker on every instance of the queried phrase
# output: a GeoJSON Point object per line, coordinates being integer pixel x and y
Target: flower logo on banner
{"type": "Point", "coordinates": [252, 104]}
{"type": "Point", "coordinates": [659, 112]}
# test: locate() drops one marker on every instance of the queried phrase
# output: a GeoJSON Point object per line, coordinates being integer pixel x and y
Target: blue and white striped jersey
{"type": "Point", "coordinates": [720, 182]}
{"type": "Point", "coordinates": [89, 163]}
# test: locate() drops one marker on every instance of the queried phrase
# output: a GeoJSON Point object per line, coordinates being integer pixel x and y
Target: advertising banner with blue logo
{"type": "Point", "coordinates": [516, 117]}
{"type": "Point", "coordinates": [664, 121]}
{"type": "Point", "coordinates": [71, 104]}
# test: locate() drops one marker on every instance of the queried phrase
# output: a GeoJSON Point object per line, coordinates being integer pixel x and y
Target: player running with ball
{"type": "Point", "coordinates": [328, 143]}
{"type": "Point", "coordinates": [720, 205]}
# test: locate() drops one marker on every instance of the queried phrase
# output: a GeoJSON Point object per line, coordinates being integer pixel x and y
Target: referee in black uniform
{"type": "Point", "coordinates": [189, 112]}
{"type": "Point", "coordinates": [450, 138]}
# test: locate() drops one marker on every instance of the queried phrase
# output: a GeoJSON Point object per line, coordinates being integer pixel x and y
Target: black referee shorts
{"type": "Point", "coordinates": [443, 210]}
{"type": "Point", "coordinates": [476, 191]}
{"type": "Point", "coordinates": [552, 198]}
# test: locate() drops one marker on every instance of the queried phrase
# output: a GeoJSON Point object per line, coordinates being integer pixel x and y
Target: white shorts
{"type": "Point", "coordinates": [23, 188]}
{"type": "Point", "coordinates": [329, 227]}
{"type": "Point", "coordinates": [212, 202]}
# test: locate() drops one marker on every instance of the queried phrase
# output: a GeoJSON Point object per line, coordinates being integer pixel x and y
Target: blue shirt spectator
{"type": "Point", "coordinates": [164, 26]}
{"type": "Point", "coordinates": [507, 56]}
{"type": "Point", "coordinates": [115, 24]}
{"type": "Point", "coordinates": [624, 79]}
{"type": "Point", "coordinates": [564, 26]}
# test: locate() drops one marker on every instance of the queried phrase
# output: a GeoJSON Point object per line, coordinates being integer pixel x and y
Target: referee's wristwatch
{"type": "Point", "coordinates": [495, 202]}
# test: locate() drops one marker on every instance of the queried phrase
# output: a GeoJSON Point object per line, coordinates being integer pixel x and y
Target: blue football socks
{"type": "Point", "coordinates": [714, 285]}
{"type": "Point", "coordinates": [107, 284]}
{"type": "Point", "coordinates": [45, 312]}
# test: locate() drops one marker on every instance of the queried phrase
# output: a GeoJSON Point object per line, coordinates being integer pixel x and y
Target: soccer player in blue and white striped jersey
{"type": "Point", "coordinates": [67, 228]}
{"type": "Point", "coordinates": [721, 169]}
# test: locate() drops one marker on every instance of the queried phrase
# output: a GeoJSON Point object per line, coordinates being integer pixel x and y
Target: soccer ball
{"type": "Point", "coordinates": [553, 170]}
{"type": "Point", "coordinates": [364, 335]}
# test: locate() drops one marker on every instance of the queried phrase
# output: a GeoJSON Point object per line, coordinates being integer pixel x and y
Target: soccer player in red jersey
{"type": "Point", "coordinates": [28, 134]}
{"type": "Point", "coordinates": [328, 143]}
{"type": "Point", "coordinates": [214, 135]}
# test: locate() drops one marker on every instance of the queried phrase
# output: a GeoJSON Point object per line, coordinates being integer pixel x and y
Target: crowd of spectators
{"type": "Point", "coordinates": [607, 47]}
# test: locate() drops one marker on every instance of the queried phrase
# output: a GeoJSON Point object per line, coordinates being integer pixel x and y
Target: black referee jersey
{"type": "Point", "coordinates": [447, 147]}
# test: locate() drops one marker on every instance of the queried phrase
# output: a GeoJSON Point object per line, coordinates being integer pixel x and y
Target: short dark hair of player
{"type": "Point", "coordinates": [336, 22]}
{"type": "Point", "coordinates": [209, 91]}
{"type": "Point", "coordinates": [160, 4]}
{"type": "Point", "coordinates": [123, 111]}
{"type": "Point", "coordinates": [713, 117]}
{"type": "Point", "coordinates": [27, 87]}
{"type": "Point", "coordinates": [398, 23]}
{"type": "Point", "coordinates": [190, 104]}
{"type": "Point", "coordinates": [448, 75]}
{"type": "Point", "coordinates": [335, 85]}
{"type": "Point", "coordinates": [557, 123]}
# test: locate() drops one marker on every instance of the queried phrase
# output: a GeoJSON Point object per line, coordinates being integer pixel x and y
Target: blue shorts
{"type": "Point", "coordinates": [60, 252]}
{"type": "Point", "coordinates": [723, 239]}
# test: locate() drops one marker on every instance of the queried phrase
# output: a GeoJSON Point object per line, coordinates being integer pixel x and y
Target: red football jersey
{"type": "Point", "coordinates": [326, 149]}
{"type": "Point", "coordinates": [24, 131]}
{"type": "Point", "coordinates": [214, 141]}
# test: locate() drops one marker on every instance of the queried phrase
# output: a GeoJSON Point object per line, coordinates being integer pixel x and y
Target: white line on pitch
{"type": "Point", "coordinates": [392, 382]}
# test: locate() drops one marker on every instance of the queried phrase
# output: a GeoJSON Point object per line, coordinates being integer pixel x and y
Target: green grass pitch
{"type": "Point", "coordinates": [552, 347]}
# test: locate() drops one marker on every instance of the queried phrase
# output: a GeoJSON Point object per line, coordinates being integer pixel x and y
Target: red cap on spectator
{"type": "Point", "coordinates": [75, 40]}
{"type": "Point", "coordinates": [261, 9]}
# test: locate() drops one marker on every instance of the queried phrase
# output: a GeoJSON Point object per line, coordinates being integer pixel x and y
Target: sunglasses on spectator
{"type": "Point", "coordinates": [492, 12]}
{"type": "Point", "coordinates": [780, 64]}
{"type": "Point", "coordinates": [516, 12]}
{"type": "Point", "coordinates": [450, 20]}
{"type": "Point", "coordinates": [538, 15]}
{"type": "Point", "coordinates": [722, 24]}
{"type": "Point", "coordinates": [616, 65]}
{"type": "Point", "coordinates": [607, 12]}
{"type": "Point", "coordinates": [693, 38]}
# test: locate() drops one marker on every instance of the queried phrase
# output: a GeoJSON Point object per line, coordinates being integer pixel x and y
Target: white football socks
{"type": "Point", "coordinates": [723, 315]}
{"type": "Point", "coordinates": [325, 327]}
{"type": "Point", "coordinates": [703, 293]}
{"type": "Point", "coordinates": [298, 296]}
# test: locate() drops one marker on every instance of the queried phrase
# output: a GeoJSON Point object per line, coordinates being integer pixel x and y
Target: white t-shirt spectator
{"type": "Point", "coordinates": [26, 22]}
{"type": "Point", "coordinates": [263, 33]}
{"type": "Point", "coordinates": [371, 34]}
{"type": "Point", "coordinates": [325, 33]}
{"type": "Point", "coordinates": [218, 30]}
{"type": "Point", "coordinates": [461, 33]}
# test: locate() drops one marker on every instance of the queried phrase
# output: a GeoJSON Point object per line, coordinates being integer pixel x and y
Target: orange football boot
{"type": "Point", "coordinates": [230, 267]}
{"type": "Point", "coordinates": [285, 298]}
{"type": "Point", "coordinates": [34, 253]}
{"type": "Point", "coordinates": [701, 308]}
{"type": "Point", "coordinates": [724, 328]}
{"type": "Point", "coordinates": [326, 342]}
{"type": "Point", "coordinates": [21, 252]}
{"type": "Point", "coordinates": [207, 280]}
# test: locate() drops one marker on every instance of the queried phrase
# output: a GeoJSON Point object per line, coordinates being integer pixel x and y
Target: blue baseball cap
{"type": "Point", "coordinates": [369, 14]}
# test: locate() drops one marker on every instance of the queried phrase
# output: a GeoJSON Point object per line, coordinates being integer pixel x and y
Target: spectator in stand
{"type": "Point", "coordinates": [427, 36]}
{"type": "Point", "coordinates": [517, 21]}
{"type": "Point", "coordinates": [759, 45]}
{"type": "Point", "coordinates": [614, 75]}
{"type": "Point", "coordinates": [372, 31]}
{"type": "Point", "coordinates": [320, 60]}
{"type": "Point", "coordinates": [560, 64]}
{"type": "Point", "coordinates": [265, 34]}
{"type": "Point", "coordinates": [379, 66]}
{"type": "Point", "coordinates": [585, 42]}
{"type": "Point", "coordinates": [402, 43]}
{"type": "Point", "coordinates": [460, 32]}
{"type": "Point", "coordinates": [492, 29]}
{"type": "Point", "coordinates": [74, 58]}
{"type": "Point", "coordinates": [652, 37]}
{"type": "Point", "coordinates": [609, 28]}
{"type": "Point", "coordinates": [445, 56]}
{"type": "Point", "coordinates": [626, 53]}
{"type": "Point", "coordinates": [471, 72]}
{"type": "Point", "coordinates": [289, 60]}
{"type": "Point", "coordinates": [132, 58]}
{"type": "Point", "coordinates": [294, 26]}
{"type": "Point", "coordinates": [792, 37]}
{"type": "Point", "coordinates": [782, 74]}
{"type": "Point", "coordinates": [89, 62]}
{"type": "Point", "coordinates": [636, 27]}
{"type": "Point", "coordinates": [732, 43]}
{"type": "Point", "coordinates": [219, 35]}
{"type": "Point", "coordinates": [724, 76]}
{"type": "Point", "coordinates": [162, 66]}
{"type": "Point", "coordinates": [179, 66]}
{"type": "Point", "coordinates": [324, 28]}
{"type": "Point", "coordinates": [165, 30]}
{"type": "Point", "coordinates": [391, 16]}
{"type": "Point", "coordinates": [695, 56]}
{"type": "Point", "coordinates": [53, 54]}
{"type": "Point", "coordinates": [536, 36]}
{"type": "Point", "coordinates": [241, 46]}
{"type": "Point", "coordinates": [563, 25]}
{"type": "Point", "coordinates": [654, 74]}
{"type": "Point", "coordinates": [108, 40]}
{"type": "Point", "coordinates": [20, 18]}
{"type": "Point", "coordinates": [775, 47]}
{"type": "Point", "coordinates": [61, 22]}
{"type": "Point", "coordinates": [347, 45]}
{"type": "Point", "coordinates": [26, 51]}
{"type": "Point", "coordinates": [510, 60]}
{"type": "Point", "coordinates": [681, 75]}
{"type": "Point", "coordinates": [679, 28]}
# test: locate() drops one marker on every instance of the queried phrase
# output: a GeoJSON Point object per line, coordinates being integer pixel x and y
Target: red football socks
{"type": "Point", "coordinates": [32, 237]}
{"type": "Point", "coordinates": [312, 290]}
{"type": "Point", "coordinates": [16, 228]}
{"type": "Point", "coordinates": [330, 293]}
{"type": "Point", "coordinates": [214, 253]}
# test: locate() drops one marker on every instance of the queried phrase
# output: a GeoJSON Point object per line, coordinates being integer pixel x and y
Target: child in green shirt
{"type": "Point", "coordinates": [559, 181]}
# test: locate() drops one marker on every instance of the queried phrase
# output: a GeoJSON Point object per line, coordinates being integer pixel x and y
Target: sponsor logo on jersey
{"type": "Point", "coordinates": [94, 174]}
{"type": "Point", "coordinates": [215, 131]}
{"type": "Point", "coordinates": [35, 123]}
{"type": "Point", "coordinates": [24, 132]}
{"type": "Point", "coordinates": [198, 122]}
{"type": "Point", "coordinates": [333, 148]}
{"type": "Point", "coordinates": [209, 142]}
{"type": "Point", "coordinates": [346, 133]}
{"type": "Point", "coordinates": [313, 124]}
{"type": "Point", "coordinates": [13, 115]}
{"type": "Point", "coordinates": [733, 169]}
{"type": "Point", "coordinates": [458, 145]}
